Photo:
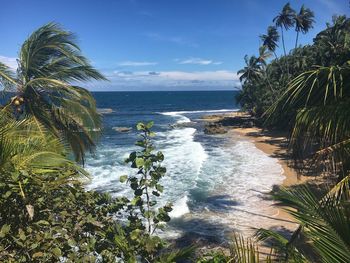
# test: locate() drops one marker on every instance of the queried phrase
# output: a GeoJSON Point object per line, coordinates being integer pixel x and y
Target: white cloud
{"type": "Point", "coordinates": [143, 80]}
{"type": "Point", "coordinates": [10, 62]}
{"type": "Point", "coordinates": [198, 61]}
{"type": "Point", "coordinates": [137, 63]}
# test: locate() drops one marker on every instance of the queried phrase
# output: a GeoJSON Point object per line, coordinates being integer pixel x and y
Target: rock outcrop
{"type": "Point", "coordinates": [214, 128]}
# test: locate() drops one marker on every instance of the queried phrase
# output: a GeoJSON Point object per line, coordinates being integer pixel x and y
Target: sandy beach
{"type": "Point", "coordinates": [275, 145]}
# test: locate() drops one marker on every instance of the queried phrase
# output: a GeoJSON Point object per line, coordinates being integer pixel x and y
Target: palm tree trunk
{"type": "Point", "coordinates": [279, 65]}
{"type": "Point", "coordinates": [296, 41]}
{"type": "Point", "coordinates": [284, 49]}
{"type": "Point", "coordinates": [269, 83]}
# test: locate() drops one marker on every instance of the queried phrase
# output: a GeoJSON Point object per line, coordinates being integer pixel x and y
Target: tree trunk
{"type": "Point", "coordinates": [285, 53]}
{"type": "Point", "coordinates": [296, 41]}
{"type": "Point", "coordinates": [279, 65]}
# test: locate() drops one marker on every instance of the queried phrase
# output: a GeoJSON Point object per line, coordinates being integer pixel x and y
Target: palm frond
{"type": "Point", "coordinates": [325, 222]}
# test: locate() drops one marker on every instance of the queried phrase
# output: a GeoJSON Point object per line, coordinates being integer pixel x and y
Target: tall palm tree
{"type": "Point", "coordinates": [50, 70]}
{"type": "Point", "coordinates": [303, 22]}
{"type": "Point", "coordinates": [265, 54]}
{"type": "Point", "coordinates": [285, 19]}
{"type": "Point", "coordinates": [252, 70]}
{"type": "Point", "coordinates": [270, 40]}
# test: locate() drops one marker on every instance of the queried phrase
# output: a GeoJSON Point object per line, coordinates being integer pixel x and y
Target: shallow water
{"type": "Point", "coordinates": [217, 183]}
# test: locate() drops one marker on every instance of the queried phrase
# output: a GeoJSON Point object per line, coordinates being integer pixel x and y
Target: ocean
{"type": "Point", "coordinates": [217, 183]}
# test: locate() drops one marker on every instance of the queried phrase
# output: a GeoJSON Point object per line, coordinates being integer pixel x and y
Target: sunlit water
{"type": "Point", "coordinates": [216, 183]}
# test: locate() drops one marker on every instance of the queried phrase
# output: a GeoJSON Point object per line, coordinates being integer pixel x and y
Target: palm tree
{"type": "Point", "coordinates": [252, 70]}
{"type": "Point", "coordinates": [270, 40]}
{"type": "Point", "coordinates": [50, 68]}
{"type": "Point", "coordinates": [29, 155]}
{"type": "Point", "coordinates": [265, 54]}
{"type": "Point", "coordinates": [324, 223]}
{"type": "Point", "coordinates": [321, 129]}
{"type": "Point", "coordinates": [303, 22]}
{"type": "Point", "coordinates": [285, 19]}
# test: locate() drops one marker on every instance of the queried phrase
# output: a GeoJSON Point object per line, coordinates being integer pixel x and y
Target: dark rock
{"type": "Point", "coordinates": [238, 121]}
{"type": "Point", "coordinates": [105, 110]}
{"type": "Point", "coordinates": [190, 124]}
{"type": "Point", "coordinates": [122, 129]}
{"type": "Point", "coordinates": [214, 128]}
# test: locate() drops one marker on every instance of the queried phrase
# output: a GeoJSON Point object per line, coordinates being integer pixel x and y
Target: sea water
{"type": "Point", "coordinates": [217, 183]}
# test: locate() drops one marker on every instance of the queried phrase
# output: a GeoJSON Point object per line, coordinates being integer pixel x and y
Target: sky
{"type": "Point", "coordinates": [159, 44]}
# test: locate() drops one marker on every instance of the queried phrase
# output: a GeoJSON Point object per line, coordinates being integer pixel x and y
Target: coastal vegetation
{"type": "Point", "coordinates": [46, 213]}
{"type": "Point", "coordinates": [311, 85]}
{"type": "Point", "coordinates": [49, 122]}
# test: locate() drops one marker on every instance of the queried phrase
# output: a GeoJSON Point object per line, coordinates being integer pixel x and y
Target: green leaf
{"type": "Point", "coordinates": [139, 162]}
{"type": "Point", "coordinates": [160, 156]}
{"type": "Point", "coordinates": [38, 254]}
{"type": "Point", "coordinates": [22, 235]}
{"type": "Point", "coordinates": [135, 201]}
{"type": "Point", "coordinates": [7, 194]}
{"type": "Point", "coordinates": [155, 193]}
{"type": "Point", "coordinates": [160, 188]}
{"type": "Point", "coordinates": [57, 252]}
{"type": "Point", "coordinates": [140, 126]}
{"type": "Point", "coordinates": [150, 125]}
{"type": "Point", "coordinates": [138, 192]}
{"type": "Point", "coordinates": [135, 234]}
{"type": "Point", "coordinates": [123, 178]}
{"type": "Point", "coordinates": [5, 229]}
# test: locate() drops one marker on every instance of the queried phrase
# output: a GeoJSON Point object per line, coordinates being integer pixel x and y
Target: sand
{"type": "Point", "coordinates": [275, 145]}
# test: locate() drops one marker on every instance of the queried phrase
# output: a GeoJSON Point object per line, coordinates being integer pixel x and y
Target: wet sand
{"type": "Point", "coordinates": [275, 145]}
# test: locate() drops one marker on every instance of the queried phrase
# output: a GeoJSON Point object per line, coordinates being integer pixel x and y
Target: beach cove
{"type": "Point", "coordinates": [218, 184]}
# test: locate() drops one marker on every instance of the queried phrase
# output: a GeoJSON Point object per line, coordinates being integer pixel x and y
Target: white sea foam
{"type": "Point", "coordinates": [172, 113]}
{"type": "Point", "coordinates": [180, 208]}
{"type": "Point", "coordinates": [224, 180]}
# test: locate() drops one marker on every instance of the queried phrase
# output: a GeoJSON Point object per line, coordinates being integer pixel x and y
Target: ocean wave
{"type": "Point", "coordinates": [174, 113]}
{"type": "Point", "coordinates": [180, 208]}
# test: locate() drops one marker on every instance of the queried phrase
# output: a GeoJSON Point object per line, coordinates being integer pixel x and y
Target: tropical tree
{"type": "Point", "coordinates": [252, 70]}
{"type": "Point", "coordinates": [265, 54]}
{"type": "Point", "coordinates": [270, 40]}
{"type": "Point", "coordinates": [324, 227]}
{"type": "Point", "coordinates": [303, 22]}
{"type": "Point", "coordinates": [321, 127]}
{"type": "Point", "coordinates": [46, 83]}
{"type": "Point", "coordinates": [333, 43]}
{"type": "Point", "coordinates": [285, 19]}
{"type": "Point", "coordinates": [46, 214]}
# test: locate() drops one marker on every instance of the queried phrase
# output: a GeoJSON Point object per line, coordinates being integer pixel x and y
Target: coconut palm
{"type": "Point", "coordinates": [324, 224]}
{"type": "Point", "coordinates": [265, 54]}
{"type": "Point", "coordinates": [30, 154]}
{"type": "Point", "coordinates": [270, 40]}
{"type": "Point", "coordinates": [285, 19]}
{"type": "Point", "coordinates": [321, 132]}
{"type": "Point", "coordinates": [252, 70]}
{"type": "Point", "coordinates": [50, 70]}
{"type": "Point", "coordinates": [303, 22]}
{"type": "Point", "coordinates": [333, 42]}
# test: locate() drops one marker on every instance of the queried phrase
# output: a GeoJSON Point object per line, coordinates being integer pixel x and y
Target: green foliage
{"type": "Point", "coordinates": [144, 216]}
{"type": "Point", "coordinates": [263, 81]}
{"type": "Point", "coordinates": [45, 212]}
{"type": "Point", "coordinates": [47, 215]}
{"type": "Point", "coordinates": [49, 61]}
{"type": "Point", "coordinates": [325, 222]}
{"type": "Point", "coordinates": [242, 250]}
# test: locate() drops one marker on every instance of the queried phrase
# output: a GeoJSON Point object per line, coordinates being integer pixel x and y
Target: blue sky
{"type": "Point", "coordinates": [159, 44]}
